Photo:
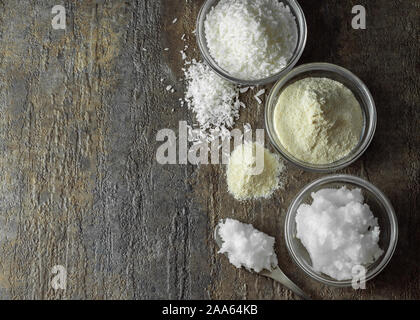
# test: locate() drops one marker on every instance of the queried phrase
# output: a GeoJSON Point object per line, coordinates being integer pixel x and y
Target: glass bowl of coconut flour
{"type": "Point", "coordinates": [378, 206]}
{"type": "Point", "coordinates": [221, 26]}
{"type": "Point", "coordinates": [341, 76]}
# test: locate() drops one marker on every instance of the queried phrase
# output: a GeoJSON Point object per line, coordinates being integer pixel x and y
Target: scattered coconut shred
{"type": "Point", "coordinates": [246, 246]}
{"type": "Point", "coordinates": [242, 181]}
{"type": "Point", "coordinates": [214, 100]}
{"type": "Point", "coordinates": [251, 39]}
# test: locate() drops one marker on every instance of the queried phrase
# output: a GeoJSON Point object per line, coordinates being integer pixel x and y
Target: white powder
{"type": "Point", "coordinates": [246, 246]}
{"type": "Point", "coordinates": [251, 39]}
{"type": "Point", "coordinates": [214, 100]}
{"type": "Point", "coordinates": [339, 231]}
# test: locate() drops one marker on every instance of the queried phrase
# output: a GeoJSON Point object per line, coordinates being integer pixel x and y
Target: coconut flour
{"type": "Point", "coordinates": [318, 120]}
{"type": "Point", "coordinates": [242, 181]}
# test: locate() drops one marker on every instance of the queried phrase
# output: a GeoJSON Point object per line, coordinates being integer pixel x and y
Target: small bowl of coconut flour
{"type": "Point", "coordinates": [320, 117]}
{"type": "Point", "coordinates": [340, 227]}
{"type": "Point", "coordinates": [251, 42]}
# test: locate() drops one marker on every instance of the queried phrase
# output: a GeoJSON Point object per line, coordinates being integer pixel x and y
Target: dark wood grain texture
{"type": "Point", "coordinates": [79, 182]}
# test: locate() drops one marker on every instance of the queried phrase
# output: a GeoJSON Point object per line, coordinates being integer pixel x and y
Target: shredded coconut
{"type": "Point", "coordinates": [261, 92]}
{"type": "Point", "coordinates": [257, 96]}
{"type": "Point", "coordinates": [251, 39]}
{"type": "Point", "coordinates": [246, 246]}
{"type": "Point", "coordinates": [214, 100]}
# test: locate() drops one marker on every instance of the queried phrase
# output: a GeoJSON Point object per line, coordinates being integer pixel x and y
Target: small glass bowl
{"type": "Point", "coordinates": [378, 203]}
{"type": "Point", "coordinates": [202, 44]}
{"type": "Point", "coordinates": [339, 74]}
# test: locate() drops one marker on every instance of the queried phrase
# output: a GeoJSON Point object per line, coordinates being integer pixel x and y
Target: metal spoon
{"type": "Point", "coordinates": [275, 274]}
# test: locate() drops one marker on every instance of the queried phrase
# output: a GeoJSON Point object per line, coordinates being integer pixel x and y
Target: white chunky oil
{"type": "Point", "coordinates": [246, 246]}
{"type": "Point", "coordinates": [339, 231]}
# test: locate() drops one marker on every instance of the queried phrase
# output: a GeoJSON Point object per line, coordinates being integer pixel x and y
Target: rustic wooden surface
{"type": "Point", "coordinates": [79, 183]}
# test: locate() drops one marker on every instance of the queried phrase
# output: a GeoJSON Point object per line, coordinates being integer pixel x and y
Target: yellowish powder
{"type": "Point", "coordinates": [318, 120]}
{"type": "Point", "coordinates": [242, 183]}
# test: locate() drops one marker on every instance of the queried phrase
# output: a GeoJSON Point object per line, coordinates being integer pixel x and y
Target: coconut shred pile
{"type": "Point", "coordinates": [251, 39]}
{"type": "Point", "coordinates": [214, 100]}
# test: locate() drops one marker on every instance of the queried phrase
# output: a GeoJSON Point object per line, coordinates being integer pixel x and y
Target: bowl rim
{"type": "Point", "coordinates": [208, 59]}
{"type": "Point", "coordinates": [386, 258]}
{"type": "Point", "coordinates": [369, 125]}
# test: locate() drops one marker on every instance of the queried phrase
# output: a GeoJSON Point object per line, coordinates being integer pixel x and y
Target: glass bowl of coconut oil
{"type": "Point", "coordinates": [380, 207]}
{"type": "Point", "coordinates": [297, 50]}
{"type": "Point", "coordinates": [340, 76]}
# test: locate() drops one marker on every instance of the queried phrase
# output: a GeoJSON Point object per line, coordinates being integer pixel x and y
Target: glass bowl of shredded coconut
{"type": "Point", "coordinates": [320, 117]}
{"type": "Point", "coordinates": [251, 42]}
{"type": "Point", "coordinates": [339, 228]}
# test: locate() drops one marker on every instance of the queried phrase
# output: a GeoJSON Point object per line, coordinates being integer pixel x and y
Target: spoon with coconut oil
{"type": "Point", "coordinates": [275, 274]}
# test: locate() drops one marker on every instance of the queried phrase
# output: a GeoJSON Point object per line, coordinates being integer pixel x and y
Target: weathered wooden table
{"type": "Point", "coordinates": [79, 183]}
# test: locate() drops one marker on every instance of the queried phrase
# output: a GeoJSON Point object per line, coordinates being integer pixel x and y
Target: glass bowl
{"type": "Point", "coordinates": [378, 203]}
{"type": "Point", "coordinates": [301, 42]}
{"type": "Point", "coordinates": [339, 74]}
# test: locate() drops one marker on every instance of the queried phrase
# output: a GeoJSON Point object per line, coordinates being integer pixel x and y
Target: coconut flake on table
{"type": "Point", "coordinates": [246, 246]}
{"type": "Point", "coordinates": [214, 101]}
{"type": "Point", "coordinates": [259, 93]}
{"type": "Point", "coordinates": [251, 39]}
{"type": "Point", "coordinates": [257, 96]}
